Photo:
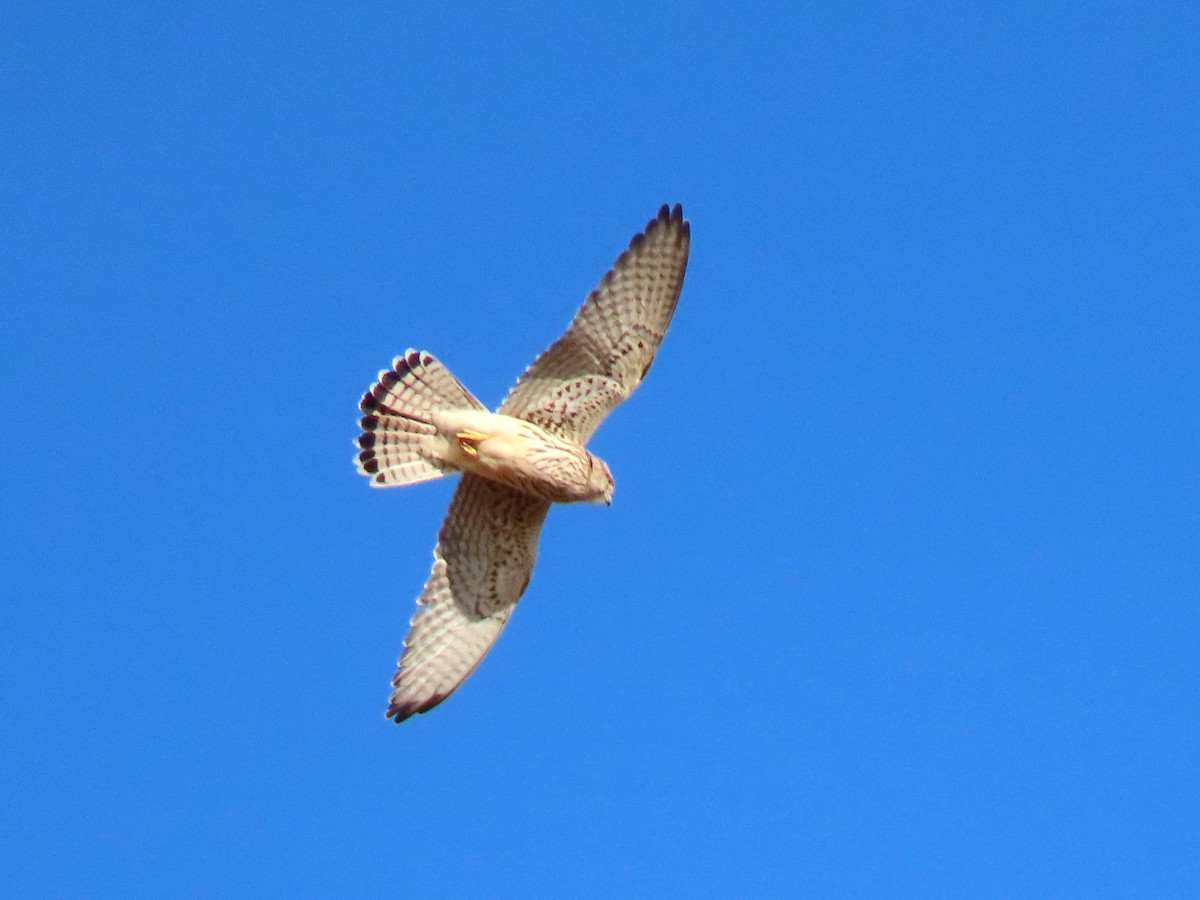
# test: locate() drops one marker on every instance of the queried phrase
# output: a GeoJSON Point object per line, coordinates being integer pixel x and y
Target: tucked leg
{"type": "Point", "coordinates": [469, 441]}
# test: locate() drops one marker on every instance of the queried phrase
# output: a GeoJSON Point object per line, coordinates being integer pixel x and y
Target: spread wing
{"type": "Point", "coordinates": [482, 564]}
{"type": "Point", "coordinates": [606, 351]}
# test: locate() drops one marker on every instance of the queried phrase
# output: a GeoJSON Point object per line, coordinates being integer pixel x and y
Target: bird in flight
{"type": "Point", "coordinates": [419, 423]}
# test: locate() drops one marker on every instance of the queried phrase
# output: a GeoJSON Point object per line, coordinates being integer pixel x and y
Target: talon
{"type": "Point", "coordinates": [469, 441]}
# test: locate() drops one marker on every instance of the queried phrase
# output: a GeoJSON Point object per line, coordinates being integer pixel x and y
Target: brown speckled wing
{"type": "Point", "coordinates": [609, 346]}
{"type": "Point", "coordinates": [482, 564]}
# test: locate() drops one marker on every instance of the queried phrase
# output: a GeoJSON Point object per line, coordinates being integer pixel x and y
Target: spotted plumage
{"type": "Point", "coordinates": [419, 423]}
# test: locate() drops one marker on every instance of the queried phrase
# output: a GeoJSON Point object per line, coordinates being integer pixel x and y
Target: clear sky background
{"type": "Point", "coordinates": [899, 594]}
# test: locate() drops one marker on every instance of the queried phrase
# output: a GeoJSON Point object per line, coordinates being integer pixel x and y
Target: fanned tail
{"type": "Point", "coordinates": [399, 444]}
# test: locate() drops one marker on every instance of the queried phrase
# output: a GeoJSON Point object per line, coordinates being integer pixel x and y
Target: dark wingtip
{"type": "Point", "coordinates": [668, 215]}
{"type": "Point", "coordinates": [398, 712]}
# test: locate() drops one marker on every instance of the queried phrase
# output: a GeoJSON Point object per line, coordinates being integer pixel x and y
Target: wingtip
{"type": "Point", "coordinates": [685, 227]}
{"type": "Point", "coordinates": [398, 711]}
{"type": "Point", "coordinates": [668, 215]}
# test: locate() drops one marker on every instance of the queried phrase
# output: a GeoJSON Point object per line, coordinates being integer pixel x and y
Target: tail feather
{"type": "Point", "coordinates": [399, 444]}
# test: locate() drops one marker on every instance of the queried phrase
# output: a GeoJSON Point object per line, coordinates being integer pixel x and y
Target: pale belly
{"type": "Point", "coordinates": [517, 453]}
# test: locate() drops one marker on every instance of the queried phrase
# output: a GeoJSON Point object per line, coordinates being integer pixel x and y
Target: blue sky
{"type": "Point", "coordinates": [898, 596]}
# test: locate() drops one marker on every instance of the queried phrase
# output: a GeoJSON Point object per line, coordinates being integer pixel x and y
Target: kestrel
{"type": "Point", "coordinates": [420, 423]}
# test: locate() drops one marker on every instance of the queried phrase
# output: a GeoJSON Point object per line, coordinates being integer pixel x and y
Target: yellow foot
{"type": "Point", "coordinates": [469, 441]}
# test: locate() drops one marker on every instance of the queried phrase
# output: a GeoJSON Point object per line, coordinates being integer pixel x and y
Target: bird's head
{"type": "Point", "coordinates": [600, 481]}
